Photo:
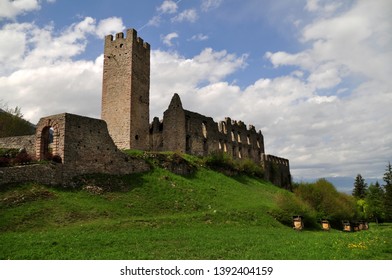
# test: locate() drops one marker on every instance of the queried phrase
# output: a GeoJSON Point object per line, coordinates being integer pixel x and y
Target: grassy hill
{"type": "Point", "coordinates": [14, 125]}
{"type": "Point", "coordinates": [160, 215]}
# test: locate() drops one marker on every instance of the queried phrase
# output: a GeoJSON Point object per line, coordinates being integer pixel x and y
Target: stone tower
{"type": "Point", "coordinates": [126, 90]}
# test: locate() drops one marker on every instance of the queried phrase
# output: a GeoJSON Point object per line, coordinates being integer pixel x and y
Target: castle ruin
{"type": "Point", "coordinates": [84, 144]}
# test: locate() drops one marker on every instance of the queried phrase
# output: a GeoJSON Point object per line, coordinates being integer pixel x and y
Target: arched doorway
{"type": "Point", "coordinates": [47, 147]}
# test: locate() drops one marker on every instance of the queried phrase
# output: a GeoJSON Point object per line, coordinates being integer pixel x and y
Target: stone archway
{"type": "Point", "coordinates": [47, 140]}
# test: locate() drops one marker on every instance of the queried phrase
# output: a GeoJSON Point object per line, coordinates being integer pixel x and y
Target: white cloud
{"type": "Point", "coordinates": [39, 75]}
{"type": "Point", "coordinates": [187, 15]}
{"type": "Point", "coordinates": [168, 7]}
{"type": "Point", "coordinates": [198, 37]}
{"type": "Point", "coordinates": [154, 21]}
{"type": "Point", "coordinates": [11, 9]}
{"type": "Point", "coordinates": [167, 40]}
{"type": "Point", "coordinates": [326, 6]}
{"type": "Point", "coordinates": [109, 26]}
{"type": "Point", "coordinates": [208, 5]}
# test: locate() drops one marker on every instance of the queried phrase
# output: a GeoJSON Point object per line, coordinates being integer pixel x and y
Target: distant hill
{"type": "Point", "coordinates": [11, 125]}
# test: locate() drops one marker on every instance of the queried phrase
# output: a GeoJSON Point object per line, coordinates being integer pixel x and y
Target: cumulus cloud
{"type": "Point", "coordinates": [109, 26]}
{"type": "Point", "coordinates": [187, 15]}
{"type": "Point", "coordinates": [35, 53]}
{"type": "Point", "coordinates": [168, 7]}
{"type": "Point", "coordinates": [167, 40]}
{"type": "Point", "coordinates": [208, 5]}
{"type": "Point", "coordinates": [11, 9]}
{"type": "Point", "coordinates": [198, 37]}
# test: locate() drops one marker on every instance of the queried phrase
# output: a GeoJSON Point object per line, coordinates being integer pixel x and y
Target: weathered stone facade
{"type": "Point", "coordinates": [83, 145]}
{"type": "Point", "coordinates": [26, 142]}
{"type": "Point", "coordinates": [126, 90]}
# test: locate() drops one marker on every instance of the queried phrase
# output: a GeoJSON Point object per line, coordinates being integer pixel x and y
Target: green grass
{"type": "Point", "coordinates": [160, 215]}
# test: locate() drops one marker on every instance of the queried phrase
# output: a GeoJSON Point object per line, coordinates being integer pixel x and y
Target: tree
{"type": "Point", "coordinates": [388, 192]}
{"type": "Point", "coordinates": [375, 202]}
{"type": "Point", "coordinates": [360, 187]}
{"type": "Point", "coordinates": [12, 122]}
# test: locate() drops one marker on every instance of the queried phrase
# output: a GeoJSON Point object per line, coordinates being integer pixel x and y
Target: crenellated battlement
{"type": "Point", "coordinates": [119, 41]}
{"type": "Point", "coordinates": [276, 160]}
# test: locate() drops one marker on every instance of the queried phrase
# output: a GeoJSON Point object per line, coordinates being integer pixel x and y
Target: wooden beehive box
{"type": "Point", "coordinates": [346, 226]}
{"type": "Point", "coordinates": [298, 223]}
{"type": "Point", "coordinates": [325, 225]}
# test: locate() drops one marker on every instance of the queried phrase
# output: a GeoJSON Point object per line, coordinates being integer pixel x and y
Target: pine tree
{"type": "Point", "coordinates": [375, 202]}
{"type": "Point", "coordinates": [360, 187]}
{"type": "Point", "coordinates": [388, 192]}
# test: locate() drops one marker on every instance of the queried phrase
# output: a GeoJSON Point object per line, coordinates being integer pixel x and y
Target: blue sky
{"type": "Point", "coordinates": [313, 75]}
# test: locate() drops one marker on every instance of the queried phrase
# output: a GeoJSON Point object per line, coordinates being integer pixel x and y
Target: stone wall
{"type": "Point", "coordinates": [50, 174]}
{"type": "Point", "coordinates": [189, 132]}
{"type": "Point", "coordinates": [84, 146]}
{"type": "Point", "coordinates": [19, 142]}
{"type": "Point", "coordinates": [277, 171]}
{"type": "Point", "coordinates": [125, 90]}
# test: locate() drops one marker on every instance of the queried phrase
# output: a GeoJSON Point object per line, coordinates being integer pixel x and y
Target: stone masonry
{"type": "Point", "coordinates": [126, 90]}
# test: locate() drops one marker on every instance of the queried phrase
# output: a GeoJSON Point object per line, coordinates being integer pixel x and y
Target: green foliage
{"type": "Point", "coordinates": [13, 124]}
{"type": "Point", "coordinates": [375, 203]}
{"type": "Point", "coordinates": [327, 202]}
{"type": "Point", "coordinates": [220, 161]}
{"type": "Point", "coordinates": [360, 187]}
{"type": "Point", "coordinates": [225, 163]}
{"type": "Point", "coordinates": [160, 215]}
{"type": "Point", "coordinates": [290, 205]}
{"type": "Point", "coordinates": [388, 192]}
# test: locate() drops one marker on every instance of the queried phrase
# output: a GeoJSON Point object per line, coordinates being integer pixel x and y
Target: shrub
{"type": "Point", "coordinates": [290, 205]}
{"type": "Point", "coordinates": [219, 160]}
{"type": "Point", "coordinates": [22, 158]}
{"type": "Point", "coordinates": [251, 168]}
{"type": "Point", "coordinates": [328, 203]}
{"type": "Point", "coordinates": [4, 161]}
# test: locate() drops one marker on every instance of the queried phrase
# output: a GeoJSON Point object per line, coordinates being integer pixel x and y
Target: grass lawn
{"type": "Point", "coordinates": [159, 215]}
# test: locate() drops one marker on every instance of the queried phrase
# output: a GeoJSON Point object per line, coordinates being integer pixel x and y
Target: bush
{"type": "Point", "coordinates": [220, 161]}
{"type": "Point", "coordinates": [223, 162]}
{"type": "Point", "coordinates": [251, 168]}
{"type": "Point", "coordinates": [328, 203]}
{"type": "Point", "coordinates": [290, 205]}
{"type": "Point", "coordinates": [22, 158]}
{"type": "Point", "coordinates": [9, 157]}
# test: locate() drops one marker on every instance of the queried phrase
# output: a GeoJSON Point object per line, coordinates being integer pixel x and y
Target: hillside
{"type": "Point", "coordinates": [12, 125]}
{"type": "Point", "coordinates": [160, 215]}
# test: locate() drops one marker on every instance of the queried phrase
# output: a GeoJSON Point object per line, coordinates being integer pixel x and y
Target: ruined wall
{"type": "Point", "coordinates": [174, 134]}
{"type": "Point", "coordinates": [156, 135]}
{"type": "Point", "coordinates": [193, 133]}
{"type": "Point", "coordinates": [277, 171]}
{"type": "Point", "coordinates": [19, 142]}
{"type": "Point", "coordinates": [50, 174]}
{"type": "Point", "coordinates": [125, 90]}
{"type": "Point", "coordinates": [84, 146]}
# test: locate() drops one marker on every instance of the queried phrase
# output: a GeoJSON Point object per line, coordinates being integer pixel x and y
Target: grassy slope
{"type": "Point", "coordinates": [159, 215]}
